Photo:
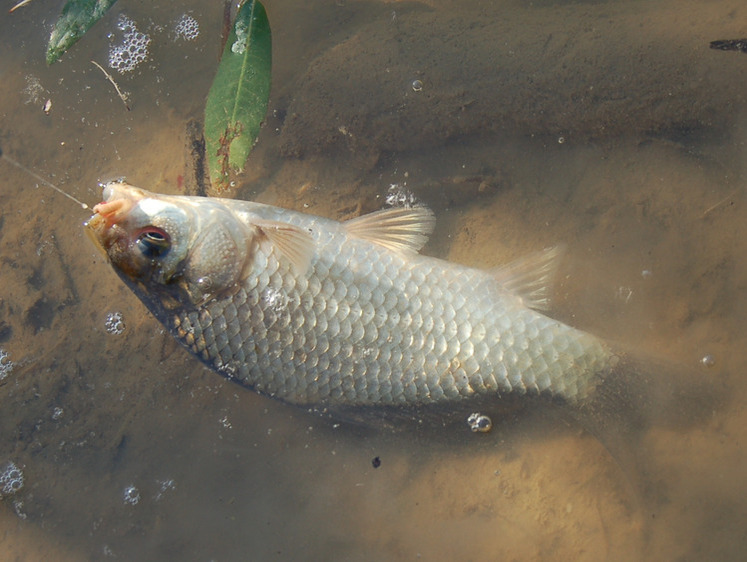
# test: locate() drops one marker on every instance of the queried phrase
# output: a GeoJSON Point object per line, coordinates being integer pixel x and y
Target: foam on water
{"type": "Point", "coordinates": [133, 50]}
{"type": "Point", "coordinates": [11, 479]}
{"type": "Point", "coordinates": [6, 365]}
{"type": "Point", "coordinates": [186, 28]}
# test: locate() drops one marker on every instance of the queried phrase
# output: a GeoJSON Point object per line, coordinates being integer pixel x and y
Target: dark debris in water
{"type": "Point", "coordinates": [6, 331]}
{"type": "Point", "coordinates": [730, 45]}
{"type": "Point", "coordinates": [36, 279]}
{"type": "Point", "coordinates": [41, 314]}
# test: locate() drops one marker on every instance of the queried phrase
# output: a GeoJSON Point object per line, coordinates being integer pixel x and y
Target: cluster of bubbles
{"type": "Point", "coordinates": [132, 51]}
{"type": "Point", "coordinates": [33, 90]}
{"type": "Point", "coordinates": [479, 423]}
{"type": "Point", "coordinates": [6, 365]}
{"type": "Point", "coordinates": [131, 495]}
{"type": "Point", "coordinates": [163, 487]}
{"type": "Point", "coordinates": [186, 28]}
{"type": "Point", "coordinates": [242, 36]}
{"type": "Point", "coordinates": [11, 479]}
{"type": "Point", "coordinates": [399, 196]}
{"type": "Point", "coordinates": [114, 324]}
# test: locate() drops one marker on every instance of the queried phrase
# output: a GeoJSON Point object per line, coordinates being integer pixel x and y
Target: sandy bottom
{"type": "Point", "coordinates": [130, 448]}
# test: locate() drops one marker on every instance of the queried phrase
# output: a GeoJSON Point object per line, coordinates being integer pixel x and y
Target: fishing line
{"type": "Point", "coordinates": [42, 180]}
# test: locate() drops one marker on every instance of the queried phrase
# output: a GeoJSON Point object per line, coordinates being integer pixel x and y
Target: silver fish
{"type": "Point", "coordinates": [322, 313]}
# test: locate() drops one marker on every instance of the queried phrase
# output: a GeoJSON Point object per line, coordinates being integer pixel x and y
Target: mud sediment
{"type": "Point", "coordinates": [578, 71]}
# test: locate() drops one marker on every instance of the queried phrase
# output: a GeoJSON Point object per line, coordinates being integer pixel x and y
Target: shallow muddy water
{"type": "Point", "coordinates": [609, 127]}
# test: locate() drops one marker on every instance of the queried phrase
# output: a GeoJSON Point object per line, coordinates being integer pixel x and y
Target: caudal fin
{"type": "Point", "coordinates": [640, 395]}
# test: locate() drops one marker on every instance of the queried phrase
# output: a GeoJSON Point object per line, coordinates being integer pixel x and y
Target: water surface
{"type": "Point", "coordinates": [611, 128]}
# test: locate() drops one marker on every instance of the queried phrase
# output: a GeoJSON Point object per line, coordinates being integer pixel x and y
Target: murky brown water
{"type": "Point", "coordinates": [610, 127]}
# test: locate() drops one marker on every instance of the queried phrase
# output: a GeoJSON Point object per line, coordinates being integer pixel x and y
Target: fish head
{"type": "Point", "coordinates": [142, 235]}
{"type": "Point", "coordinates": [174, 248]}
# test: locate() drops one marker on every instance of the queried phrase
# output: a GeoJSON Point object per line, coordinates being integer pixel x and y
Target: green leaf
{"type": "Point", "coordinates": [76, 18]}
{"type": "Point", "coordinates": [237, 102]}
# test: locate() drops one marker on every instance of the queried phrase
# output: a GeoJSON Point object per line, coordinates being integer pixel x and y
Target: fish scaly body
{"type": "Point", "coordinates": [320, 313]}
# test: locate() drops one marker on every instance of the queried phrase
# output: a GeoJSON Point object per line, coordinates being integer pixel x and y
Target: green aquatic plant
{"type": "Point", "coordinates": [77, 17]}
{"type": "Point", "coordinates": [238, 98]}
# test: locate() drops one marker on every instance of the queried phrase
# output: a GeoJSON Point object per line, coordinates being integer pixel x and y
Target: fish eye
{"type": "Point", "coordinates": [153, 243]}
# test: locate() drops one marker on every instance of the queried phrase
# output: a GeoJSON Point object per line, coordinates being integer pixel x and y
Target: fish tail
{"type": "Point", "coordinates": [640, 395]}
{"type": "Point", "coordinates": [643, 392]}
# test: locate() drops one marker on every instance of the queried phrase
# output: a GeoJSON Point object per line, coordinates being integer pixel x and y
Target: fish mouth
{"type": "Point", "coordinates": [119, 199]}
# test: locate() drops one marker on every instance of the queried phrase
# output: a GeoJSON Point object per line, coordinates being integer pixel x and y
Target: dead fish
{"type": "Point", "coordinates": [321, 313]}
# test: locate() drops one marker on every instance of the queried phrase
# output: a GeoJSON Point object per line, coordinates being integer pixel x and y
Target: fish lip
{"type": "Point", "coordinates": [94, 228]}
{"type": "Point", "coordinates": [118, 200]}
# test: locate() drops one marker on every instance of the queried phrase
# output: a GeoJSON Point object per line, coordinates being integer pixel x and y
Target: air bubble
{"type": "Point", "coordinates": [205, 284]}
{"type": "Point", "coordinates": [131, 495]}
{"type": "Point", "coordinates": [187, 28]}
{"type": "Point", "coordinates": [708, 360]}
{"type": "Point", "coordinates": [11, 479]}
{"type": "Point", "coordinates": [6, 365]}
{"type": "Point", "coordinates": [479, 423]}
{"type": "Point", "coordinates": [114, 323]}
{"type": "Point", "coordinates": [417, 85]}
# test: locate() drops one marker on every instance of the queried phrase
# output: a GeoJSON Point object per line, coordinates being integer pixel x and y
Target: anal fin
{"type": "Point", "coordinates": [530, 277]}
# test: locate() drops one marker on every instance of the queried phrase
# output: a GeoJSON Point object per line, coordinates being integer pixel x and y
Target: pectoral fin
{"type": "Point", "coordinates": [292, 242]}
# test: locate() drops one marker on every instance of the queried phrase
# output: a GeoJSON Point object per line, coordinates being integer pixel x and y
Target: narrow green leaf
{"type": "Point", "coordinates": [76, 18]}
{"type": "Point", "coordinates": [237, 102]}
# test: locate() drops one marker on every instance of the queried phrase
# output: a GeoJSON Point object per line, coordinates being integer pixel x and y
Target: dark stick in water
{"type": "Point", "coordinates": [730, 45]}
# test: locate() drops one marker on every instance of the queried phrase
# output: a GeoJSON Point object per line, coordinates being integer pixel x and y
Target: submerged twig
{"type": "Point", "coordinates": [121, 95]}
{"type": "Point", "coordinates": [726, 199]}
{"type": "Point", "coordinates": [226, 30]}
{"type": "Point", "coordinates": [19, 5]}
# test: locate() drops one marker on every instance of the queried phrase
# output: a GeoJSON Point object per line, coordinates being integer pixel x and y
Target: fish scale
{"type": "Point", "coordinates": [361, 323]}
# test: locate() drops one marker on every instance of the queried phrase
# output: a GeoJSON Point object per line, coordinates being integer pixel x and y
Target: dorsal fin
{"type": "Point", "coordinates": [530, 277]}
{"type": "Point", "coordinates": [398, 228]}
{"type": "Point", "coordinates": [292, 242]}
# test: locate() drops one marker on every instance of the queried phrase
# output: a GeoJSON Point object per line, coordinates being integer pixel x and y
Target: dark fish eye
{"type": "Point", "coordinates": [153, 243]}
